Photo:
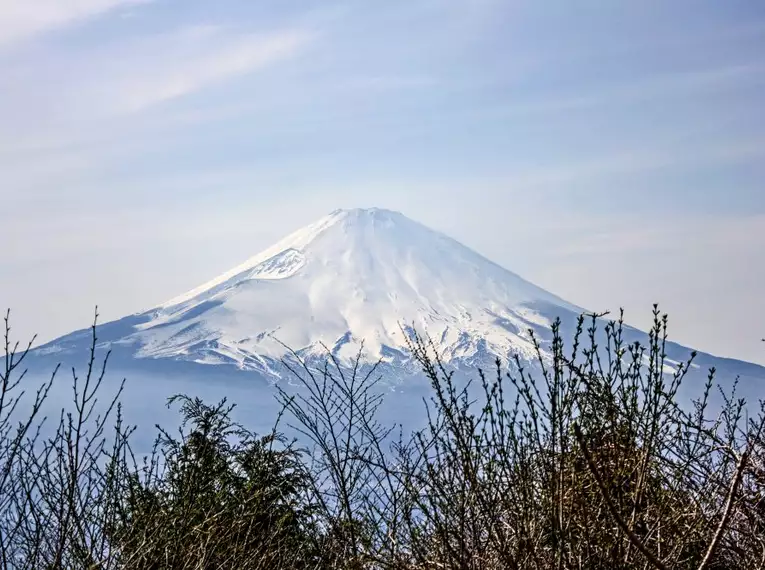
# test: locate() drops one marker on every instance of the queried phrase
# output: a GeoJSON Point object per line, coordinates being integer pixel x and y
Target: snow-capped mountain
{"type": "Point", "coordinates": [353, 275]}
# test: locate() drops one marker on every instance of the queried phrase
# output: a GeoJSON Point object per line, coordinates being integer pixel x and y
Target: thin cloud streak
{"type": "Point", "coordinates": [619, 238]}
{"type": "Point", "coordinates": [100, 94]}
{"type": "Point", "coordinates": [23, 19]}
{"type": "Point", "coordinates": [656, 87]}
{"type": "Point", "coordinates": [213, 58]}
{"type": "Point", "coordinates": [640, 161]}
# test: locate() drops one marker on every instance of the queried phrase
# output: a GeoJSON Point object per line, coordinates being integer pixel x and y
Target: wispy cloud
{"type": "Point", "coordinates": [22, 19]}
{"type": "Point", "coordinates": [178, 64]}
{"type": "Point", "coordinates": [78, 94]}
{"type": "Point", "coordinates": [656, 87]}
{"type": "Point", "coordinates": [374, 83]}
{"type": "Point", "coordinates": [134, 75]}
{"type": "Point", "coordinates": [702, 233]}
{"type": "Point", "coordinates": [639, 160]}
{"type": "Point", "coordinates": [90, 119]}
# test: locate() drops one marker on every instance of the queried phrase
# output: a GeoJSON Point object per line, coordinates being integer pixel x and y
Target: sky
{"type": "Point", "coordinates": [611, 152]}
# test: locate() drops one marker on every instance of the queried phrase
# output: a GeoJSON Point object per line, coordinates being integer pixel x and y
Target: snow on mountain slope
{"type": "Point", "coordinates": [353, 275]}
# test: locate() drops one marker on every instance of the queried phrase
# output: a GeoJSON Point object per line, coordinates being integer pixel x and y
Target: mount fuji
{"type": "Point", "coordinates": [354, 275]}
{"type": "Point", "coordinates": [368, 275]}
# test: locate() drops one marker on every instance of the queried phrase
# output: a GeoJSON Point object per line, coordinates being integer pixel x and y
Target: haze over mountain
{"type": "Point", "coordinates": [354, 275]}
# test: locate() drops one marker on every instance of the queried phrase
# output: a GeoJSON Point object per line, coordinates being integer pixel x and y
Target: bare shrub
{"type": "Point", "coordinates": [586, 458]}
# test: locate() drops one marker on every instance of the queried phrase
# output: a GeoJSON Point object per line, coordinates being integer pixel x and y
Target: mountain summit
{"type": "Point", "coordinates": [353, 275]}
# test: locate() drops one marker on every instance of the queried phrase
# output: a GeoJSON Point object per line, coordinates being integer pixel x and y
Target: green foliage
{"type": "Point", "coordinates": [216, 496]}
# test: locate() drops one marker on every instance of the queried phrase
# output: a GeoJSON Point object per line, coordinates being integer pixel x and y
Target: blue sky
{"type": "Point", "coordinates": [612, 152]}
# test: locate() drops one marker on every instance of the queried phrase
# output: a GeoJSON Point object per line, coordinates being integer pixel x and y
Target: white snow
{"type": "Point", "coordinates": [353, 275]}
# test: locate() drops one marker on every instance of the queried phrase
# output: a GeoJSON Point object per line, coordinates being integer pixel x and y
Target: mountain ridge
{"type": "Point", "coordinates": [353, 275]}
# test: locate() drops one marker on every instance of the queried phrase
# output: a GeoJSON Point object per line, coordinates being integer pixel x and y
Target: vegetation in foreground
{"type": "Point", "coordinates": [588, 461]}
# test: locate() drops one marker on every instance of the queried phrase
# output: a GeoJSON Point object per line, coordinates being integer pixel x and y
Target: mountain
{"type": "Point", "coordinates": [353, 275]}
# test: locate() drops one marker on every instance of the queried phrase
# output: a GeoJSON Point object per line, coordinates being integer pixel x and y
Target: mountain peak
{"type": "Point", "coordinates": [352, 275]}
{"type": "Point", "coordinates": [344, 226]}
{"type": "Point", "coordinates": [359, 218]}
{"type": "Point", "coordinates": [367, 212]}
{"type": "Point", "coordinates": [355, 273]}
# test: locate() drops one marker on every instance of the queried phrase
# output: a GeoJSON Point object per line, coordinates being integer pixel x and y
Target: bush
{"type": "Point", "coordinates": [216, 496]}
{"type": "Point", "coordinates": [586, 459]}
{"type": "Point", "coordinates": [589, 463]}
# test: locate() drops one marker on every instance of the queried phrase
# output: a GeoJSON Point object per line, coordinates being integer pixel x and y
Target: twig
{"type": "Point", "coordinates": [728, 508]}
{"type": "Point", "coordinates": [633, 538]}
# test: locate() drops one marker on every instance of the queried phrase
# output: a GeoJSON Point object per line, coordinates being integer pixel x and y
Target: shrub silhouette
{"type": "Point", "coordinates": [585, 459]}
{"type": "Point", "coordinates": [216, 496]}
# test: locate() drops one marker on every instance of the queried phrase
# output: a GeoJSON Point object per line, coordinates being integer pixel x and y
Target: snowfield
{"type": "Point", "coordinates": [368, 275]}
{"type": "Point", "coordinates": [353, 275]}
